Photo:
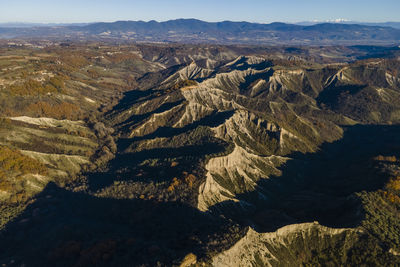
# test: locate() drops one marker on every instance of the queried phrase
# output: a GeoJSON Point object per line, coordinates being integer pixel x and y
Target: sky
{"type": "Point", "coordinates": [262, 11]}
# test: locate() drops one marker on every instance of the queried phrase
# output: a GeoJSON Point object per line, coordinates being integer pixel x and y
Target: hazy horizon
{"type": "Point", "coordinates": [259, 11]}
{"type": "Point", "coordinates": [216, 21]}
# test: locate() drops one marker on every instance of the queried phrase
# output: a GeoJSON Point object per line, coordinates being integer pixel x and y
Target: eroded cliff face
{"type": "Point", "coordinates": [261, 132]}
{"type": "Point", "coordinates": [235, 174]}
{"type": "Point", "coordinates": [292, 245]}
{"type": "Point", "coordinates": [272, 114]}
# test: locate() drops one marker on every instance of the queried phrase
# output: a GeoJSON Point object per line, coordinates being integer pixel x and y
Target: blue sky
{"type": "Point", "coordinates": [210, 10]}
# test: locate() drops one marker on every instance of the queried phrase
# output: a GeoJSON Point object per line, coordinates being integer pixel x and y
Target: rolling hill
{"type": "Point", "coordinates": [226, 32]}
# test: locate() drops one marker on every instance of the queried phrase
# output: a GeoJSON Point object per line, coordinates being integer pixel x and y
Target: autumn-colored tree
{"type": "Point", "coordinates": [12, 160]}
{"type": "Point", "coordinates": [184, 83]}
{"type": "Point", "coordinates": [15, 164]}
{"type": "Point", "coordinates": [63, 110]}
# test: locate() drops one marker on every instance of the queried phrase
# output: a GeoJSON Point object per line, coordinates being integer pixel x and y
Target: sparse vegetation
{"type": "Point", "coordinates": [184, 83]}
{"type": "Point", "coordinates": [386, 158]}
{"type": "Point", "coordinates": [32, 87]}
{"type": "Point", "coordinates": [13, 161]}
{"type": "Point", "coordinates": [13, 166]}
{"type": "Point", "coordinates": [63, 110]}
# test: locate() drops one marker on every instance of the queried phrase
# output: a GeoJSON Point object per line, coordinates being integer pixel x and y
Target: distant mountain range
{"type": "Point", "coordinates": [226, 32]}
{"type": "Point", "coordinates": [392, 24]}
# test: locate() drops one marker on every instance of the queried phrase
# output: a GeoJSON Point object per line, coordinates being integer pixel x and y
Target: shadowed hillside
{"type": "Point", "coordinates": [72, 229]}
{"type": "Point", "coordinates": [321, 186]}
